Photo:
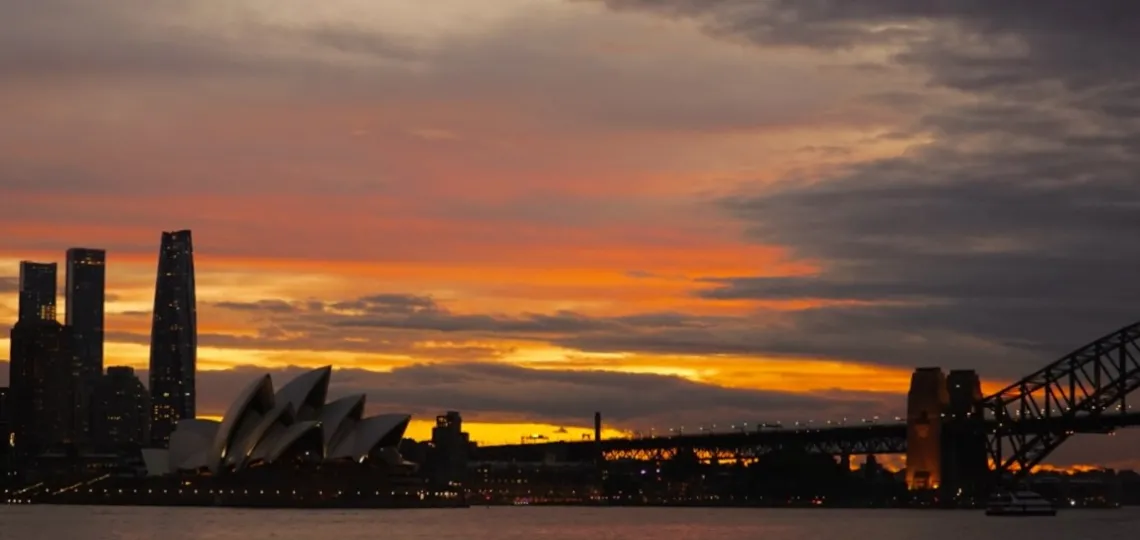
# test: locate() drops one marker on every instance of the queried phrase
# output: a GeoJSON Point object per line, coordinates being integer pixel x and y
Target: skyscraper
{"type": "Point", "coordinates": [5, 448]}
{"type": "Point", "coordinates": [3, 419]}
{"type": "Point", "coordinates": [174, 337]}
{"type": "Point", "coordinates": [122, 407]}
{"type": "Point", "coordinates": [4, 407]}
{"type": "Point", "coordinates": [86, 282]}
{"type": "Point", "coordinates": [37, 291]}
{"type": "Point", "coordinates": [84, 295]}
{"type": "Point", "coordinates": [43, 390]}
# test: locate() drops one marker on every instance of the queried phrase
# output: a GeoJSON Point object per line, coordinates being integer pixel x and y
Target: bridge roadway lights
{"type": "Point", "coordinates": [836, 441]}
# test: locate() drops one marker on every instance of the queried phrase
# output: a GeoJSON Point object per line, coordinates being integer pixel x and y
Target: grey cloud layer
{"type": "Point", "coordinates": [1012, 233]}
{"type": "Point", "coordinates": [396, 323]}
{"type": "Point", "coordinates": [346, 62]}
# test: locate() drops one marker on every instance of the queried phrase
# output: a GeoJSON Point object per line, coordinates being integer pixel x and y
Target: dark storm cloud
{"type": "Point", "coordinates": [850, 23]}
{"type": "Point", "coordinates": [402, 322]}
{"type": "Point", "coordinates": [389, 304]}
{"type": "Point", "coordinates": [878, 335]}
{"type": "Point", "coordinates": [311, 338]}
{"type": "Point", "coordinates": [422, 313]}
{"type": "Point", "coordinates": [399, 323]}
{"type": "Point", "coordinates": [498, 391]}
{"type": "Point", "coordinates": [271, 306]}
{"type": "Point", "coordinates": [1007, 239]}
{"type": "Point", "coordinates": [1015, 47]}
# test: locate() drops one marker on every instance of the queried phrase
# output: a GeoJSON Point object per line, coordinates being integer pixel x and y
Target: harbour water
{"type": "Point", "coordinates": [549, 523]}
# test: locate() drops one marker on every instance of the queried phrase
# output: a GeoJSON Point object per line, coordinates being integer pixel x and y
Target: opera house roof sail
{"type": "Point", "coordinates": [263, 427]}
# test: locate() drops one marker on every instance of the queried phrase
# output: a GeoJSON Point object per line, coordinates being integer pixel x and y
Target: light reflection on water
{"type": "Point", "coordinates": [531, 523]}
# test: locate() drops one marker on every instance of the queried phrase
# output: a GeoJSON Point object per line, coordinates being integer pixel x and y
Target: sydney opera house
{"type": "Point", "coordinates": [292, 428]}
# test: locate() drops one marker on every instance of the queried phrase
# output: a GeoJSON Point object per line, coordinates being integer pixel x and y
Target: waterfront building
{"type": "Point", "coordinates": [3, 416]}
{"type": "Point", "coordinates": [43, 387]}
{"type": "Point", "coordinates": [122, 410]}
{"type": "Point", "coordinates": [5, 440]}
{"type": "Point", "coordinates": [174, 338]}
{"type": "Point", "coordinates": [451, 448]}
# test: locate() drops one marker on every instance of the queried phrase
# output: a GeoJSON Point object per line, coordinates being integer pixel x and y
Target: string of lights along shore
{"type": "Point", "coordinates": [60, 394]}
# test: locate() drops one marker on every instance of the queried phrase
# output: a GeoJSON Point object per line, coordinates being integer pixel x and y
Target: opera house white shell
{"type": "Point", "coordinates": [262, 427]}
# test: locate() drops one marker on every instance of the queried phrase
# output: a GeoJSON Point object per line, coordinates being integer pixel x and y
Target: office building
{"type": "Point", "coordinates": [84, 299]}
{"type": "Point", "coordinates": [451, 447]}
{"type": "Point", "coordinates": [4, 421]}
{"type": "Point", "coordinates": [5, 446]}
{"type": "Point", "coordinates": [37, 291]}
{"type": "Point", "coordinates": [122, 410]}
{"type": "Point", "coordinates": [174, 342]}
{"type": "Point", "coordinates": [43, 387]}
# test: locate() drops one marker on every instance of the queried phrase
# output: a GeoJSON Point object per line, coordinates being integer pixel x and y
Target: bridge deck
{"type": "Point", "coordinates": [837, 440]}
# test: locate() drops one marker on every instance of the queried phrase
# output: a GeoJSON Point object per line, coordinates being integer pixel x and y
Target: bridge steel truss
{"type": "Point", "coordinates": [1084, 392]}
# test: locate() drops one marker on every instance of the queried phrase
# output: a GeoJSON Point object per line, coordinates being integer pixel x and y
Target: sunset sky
{"type": "Point", "coordinates": [676, 212]}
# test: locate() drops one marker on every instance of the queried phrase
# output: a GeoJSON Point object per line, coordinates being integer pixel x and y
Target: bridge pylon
{"type": "Point", "coordinates": [965, 467]}
{"type": "Point", "coordinates": [925, 405]}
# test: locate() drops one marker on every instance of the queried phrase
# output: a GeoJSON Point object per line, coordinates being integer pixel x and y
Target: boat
{"type": "Point", "coordinates": [1019, 503]}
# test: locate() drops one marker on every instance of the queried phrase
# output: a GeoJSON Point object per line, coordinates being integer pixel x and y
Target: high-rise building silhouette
{"type": "Point", "coordinates": [122, 407]}
{"type": "Point", "coordinates": [5, 448]}
{"type": "Point", "coordinates": [174, 337]}
{"type": "Point", "coordinates": [43, 387]}
{"type": "Point", "coordinates": [4, 411]}
{"type": "Point", "coordinates": [37, 291]}
{"type": "Point", "coordinates": [85, 294]}
{"type": "Point", "coordinates": [84, 297]}
{"type": "Point", "coordinates": [4, 418]}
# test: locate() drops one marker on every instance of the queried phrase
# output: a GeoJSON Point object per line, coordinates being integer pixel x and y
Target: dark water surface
{"type": "Point", "coordinates": [532, 523]}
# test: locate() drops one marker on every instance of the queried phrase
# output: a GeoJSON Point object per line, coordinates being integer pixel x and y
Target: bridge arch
{"type": "Point", "coordinates": [1083, 392]}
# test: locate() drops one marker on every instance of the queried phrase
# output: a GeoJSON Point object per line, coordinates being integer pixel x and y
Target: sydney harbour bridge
{"type": "Point", "coordinates": [953, 436]}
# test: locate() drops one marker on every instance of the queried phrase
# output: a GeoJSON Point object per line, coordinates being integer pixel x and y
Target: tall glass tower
{"type": "Point", "coordinates": [173, 338]}
{"type": "Point", "coordinates": [85, 293]}
{"type": "Point", "coordinates": [37, 291]}
{"type": "Point", "coordinates": [84, 296]}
